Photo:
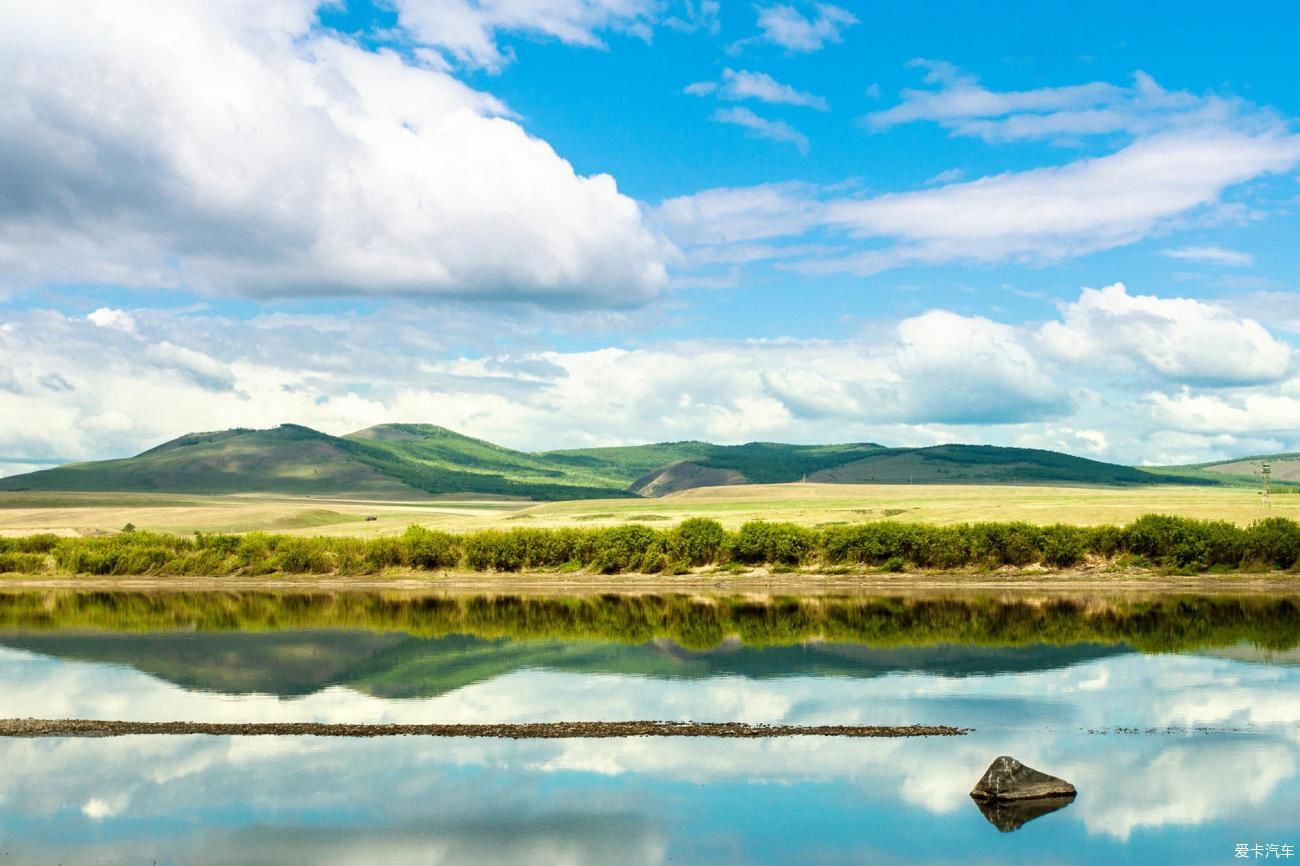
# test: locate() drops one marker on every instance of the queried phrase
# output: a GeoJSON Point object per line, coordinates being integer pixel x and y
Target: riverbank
{"type": "Point", "coordinates": [758, 583]}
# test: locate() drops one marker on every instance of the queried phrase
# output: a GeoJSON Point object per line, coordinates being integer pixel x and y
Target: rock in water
{"type": "Point", "coordinates": [1008, 779]}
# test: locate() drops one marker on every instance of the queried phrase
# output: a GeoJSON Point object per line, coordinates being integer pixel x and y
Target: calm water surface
{"type": "Point", "coordinates": [1215, 760]}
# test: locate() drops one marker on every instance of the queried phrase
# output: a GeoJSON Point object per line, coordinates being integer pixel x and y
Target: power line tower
{"type": "Point", "coordinates": [1266, 475]}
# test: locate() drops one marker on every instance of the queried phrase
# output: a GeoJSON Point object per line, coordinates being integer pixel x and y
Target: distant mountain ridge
{"type": "Point", "coordinates": [405, 461]}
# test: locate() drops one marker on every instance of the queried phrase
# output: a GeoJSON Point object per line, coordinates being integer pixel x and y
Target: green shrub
{"type": "Point", "coordinates": [493, 550]}
{"type": "Point", "coordinates": [627, 548]}
{"type": "Point", "coordinates": [426, 548]}
{"type": "Point", "coordinates": [1273, 541]}
{"type": "Point", "coordinates": [21, 563]}
{"type": "Point", "coordinates": [45, 542]}
{"type": "Point", "coordinates": [1063, 546]}
{"type": "Point", "coordinates": [759, 541]}
{"type": "Point", "coordinates": [697, 541]}
{"type": "Point", "coordinates": [301, 556]}
{"type": "Point", "coordinates": [385, 551]}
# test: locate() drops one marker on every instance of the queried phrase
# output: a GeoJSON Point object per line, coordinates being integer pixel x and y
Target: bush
{"type": "Point", "coordinates": [1273, 541]}
{"type": "Point", "coordinates": [42, 543]}
{"type": "Point", "coordinates": [1063, 546]}
{"type": "Point", "coordinates": [493, 550]}
{"type": "Point", "coordinates": [628, 548]}
{"type": "Point", "coordinates": [301, 556]}
{"type": "Point", "coordinates": [22, 563]}
{"type": "Point", "coordinates": [778, 543]}
{"type": "Point", "coordinates": [697, 541]}
{"type": "Point", "coordinates": [426, 548]}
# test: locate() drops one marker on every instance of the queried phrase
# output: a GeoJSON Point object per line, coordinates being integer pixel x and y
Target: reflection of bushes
{"type": "Point", "coordinates": [1159, 540]}
{"type": "Point", "coordinates": [1170, 623]}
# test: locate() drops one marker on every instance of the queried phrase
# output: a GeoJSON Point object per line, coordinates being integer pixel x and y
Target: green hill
{"type": "Point", "coordinates": [405, 461]}
{"type": "Point", "coordinates": [1242, 471]}
{"type": "Point", "coordinates": [288, 459]}
{"type": "Point", "coordinates": [981, 464]}
{"type": "Point", "coordinates": [680, 466]}
{"type": "Point", "coordinates": [393, 461]}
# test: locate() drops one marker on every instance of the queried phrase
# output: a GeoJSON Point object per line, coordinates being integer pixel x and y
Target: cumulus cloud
{"type": "Point", "coordinates": [757, 85]}
{"type": "Point", "coordinates": [1250, 413]}
{"type": "Point", "coordinates": [1170, 336]}
{"type": "Point", "coordinates": [1115, 376]}
{"type": "Point", "coordinates": [106, 317]}
{"type": "Point", "coordinates": [761, 127]}
{"type": "Point", "coordinates": [795, 31]}
{"type": "Point", "coordinates": [968, 370]}
{"type": "Point", "coordinates": [164, 144]}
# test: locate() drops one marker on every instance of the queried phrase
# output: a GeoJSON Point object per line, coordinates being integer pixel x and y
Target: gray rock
{"type": "Point", "coordinates": [1008, 779]}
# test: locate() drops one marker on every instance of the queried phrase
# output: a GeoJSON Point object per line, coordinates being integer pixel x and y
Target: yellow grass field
{"type": "Point", "coordinates": [807, 504]}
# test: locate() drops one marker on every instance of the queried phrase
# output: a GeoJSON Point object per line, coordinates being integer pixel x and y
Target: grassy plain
{"type": "Point", "coordinates": [813, 505]}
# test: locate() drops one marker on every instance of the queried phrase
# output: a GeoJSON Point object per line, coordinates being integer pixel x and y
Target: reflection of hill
{"type": "Point", "coordinates": [396, 666]}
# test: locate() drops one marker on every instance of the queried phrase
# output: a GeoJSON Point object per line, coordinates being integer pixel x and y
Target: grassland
{"type": "Point", "coordinates": [809, 504]}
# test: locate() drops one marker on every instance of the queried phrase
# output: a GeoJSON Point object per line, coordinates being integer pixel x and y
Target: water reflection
{"type": "Point", "coordinates": [1184, 796]}
{"type": "Point", "coordinates": [1010, 815]}
{"type": "Point", "coordinates": [783, 801]}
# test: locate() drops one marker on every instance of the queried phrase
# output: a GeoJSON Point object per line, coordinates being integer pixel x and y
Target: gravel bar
{"type": "Point", "coordinates": [524, 731]}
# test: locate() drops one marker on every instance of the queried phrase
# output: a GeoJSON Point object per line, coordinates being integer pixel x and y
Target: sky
{"type": "Point", "coordinates": [568, 223]}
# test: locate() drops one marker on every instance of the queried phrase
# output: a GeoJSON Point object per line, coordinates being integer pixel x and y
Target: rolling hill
{"type": "Point", "coordinates": [288, 459]}
{"type": "Point", "coordinates": [1243, 471]}
{"type": "Point", "coordinates": [409, 461]}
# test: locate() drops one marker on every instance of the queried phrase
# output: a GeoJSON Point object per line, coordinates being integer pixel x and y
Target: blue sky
{"type": "Point", "coordinates": [567, 222]}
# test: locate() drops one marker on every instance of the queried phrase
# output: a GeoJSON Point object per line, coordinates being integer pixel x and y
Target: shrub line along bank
{"type": "Point", "coordinates": [1154, 540]}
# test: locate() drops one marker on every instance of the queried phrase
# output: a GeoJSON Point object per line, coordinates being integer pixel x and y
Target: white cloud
{"type": "Point", "coordinates": [757, 85]}
{"type": "Point", "coordinates": [1170, 336]}
{"type": "Point", "coordinates": [741, 214]}
{"type": "Point", "coordinates": [1211, 255]}
{"type": "Point", "coordinates": [161, 143]}
{"type": "Point", "coordinates": [963, 106]}
{"type": "Point", "coordinates": [786, 26]}
{"type": "Point", "coordinates": [950, 175]}
{"type": "Point", "coordinates": [776, 130]}
{"type": "Point", "coordinates": [203, 369]}
{"type": "Point", "coordinates": [1249, 414]}
{"type": "Point", "coordinates": [106, 317]}
{"type": "Point", "coordinates": [969, 370]}
{"type": "Point", "coordinates": [1159, 183]}
{"type": "Point", "coordinates": [468, 30]}
{"type": "Point", "coordinates": [1047, 214]}
{"type": "Point", "coordinates": [1119, 376]}
{"type": "Point", "coordinates": [99, 808]}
